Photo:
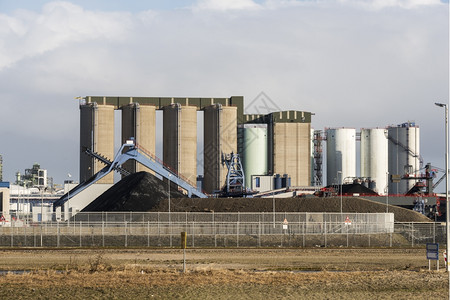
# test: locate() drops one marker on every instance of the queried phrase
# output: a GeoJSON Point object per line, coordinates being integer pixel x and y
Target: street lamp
{"type": "Point", "coordinates": [170, 227]}
{"type": "Point", "coordinates": [447, 212]}
{"type": "Point", "coordinates": [68, 197]}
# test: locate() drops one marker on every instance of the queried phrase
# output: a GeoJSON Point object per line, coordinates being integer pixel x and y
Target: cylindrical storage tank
{"type": "Point", "coordinates": [277, 181]}
{"type": "Point", "coordinates": [404, 155]}
{"type": "Point", "coordinates": [284, 181]}
{"type": "Point", "coordinates": [374, 157]}
{"type": "Point", "coordinates": [254, 151]}
{"type": "Point", "coordinates": [341, 154]}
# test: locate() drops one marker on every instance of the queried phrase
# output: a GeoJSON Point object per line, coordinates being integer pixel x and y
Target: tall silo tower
{"type": "Point", "coordinates": [255, 151]}
{"type": "Point", "coordinates": [374, 158]}
{"type": "Point", "coordinates": [341, 154]}
{"type": "Point", "coordinates": [404, 155]}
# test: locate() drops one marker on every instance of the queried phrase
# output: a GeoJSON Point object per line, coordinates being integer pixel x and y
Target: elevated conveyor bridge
{"type": "Point", "coordinates": [140, 155]}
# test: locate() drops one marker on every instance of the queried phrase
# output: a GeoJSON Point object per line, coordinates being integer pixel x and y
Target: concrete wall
{"type": "Point", "coordinates": [180, 140]}
{"type": "Point", "coordinates": [139, 121]}
{"type": "Point", "coordinates": [292, 151]}
{"type": "Point", "coordinates": [220, 136]}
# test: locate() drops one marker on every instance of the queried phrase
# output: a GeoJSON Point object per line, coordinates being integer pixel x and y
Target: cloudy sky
{"type": "Point", "coordinates": [354, 63]}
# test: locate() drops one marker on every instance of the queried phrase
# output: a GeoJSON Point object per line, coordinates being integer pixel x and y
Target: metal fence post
{"type": "Point", "coordinates": [193, 231]}
{"type": "Point", "coordinates": [214, 229]}
{"type": "Point", "coordinates": [12, 234]}
{"type": "Point", "coordinates": [126, 237]}
{"type": "Point", "coordinates": [347, 236]}
{"type": "Point", "coordinates": [148, 234]}
{"type": "Point", "coordinates": [25, 232]}
{"type": "Point", "coordinates": [259, 232]}
{"type": "Point", "coordinates": [237, 233]}
{"type": "Point", "coordinates": [303, 231]}
{"type": "Point", "coordinates": [57, 234]}
{"type": "Point", "coordinates": [434, 232]}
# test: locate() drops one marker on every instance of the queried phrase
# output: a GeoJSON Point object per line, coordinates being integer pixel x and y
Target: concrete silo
{"type": "Point", "coordinates": [96, 134]}
{"type": "Point", "coordinates": [220, 138]}
{"type": "Point", "coordinates": [290, 145]}
{"type": "Point", "coordinates": [404, 155]}
{"type": "Point", "coordinates": [138, 121]}
{"type": "Point", "coordinates": [374, 158]}
{"type": "Point", "coordinates": [341, 154]}
{"type": "Point", "coordinates": [255, 150]}
{"type": "Point", "coordinates": [180, 139]}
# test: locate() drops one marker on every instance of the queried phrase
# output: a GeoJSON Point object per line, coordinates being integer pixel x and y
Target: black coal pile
{"type": "Point", "coordinates": [356, 188]}
{"type": "Point", "coordinates": [140, 191]}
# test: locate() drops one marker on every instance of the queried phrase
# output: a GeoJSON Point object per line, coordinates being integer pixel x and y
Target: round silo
{"type": "Point", "coordinates": [374, 158]}
{"type": "Point", "coordinates": [341, 154]}
{"type": "Point", "coordinates": [254, 151]}
{"type": "Point", "coordinates": [404, 155]}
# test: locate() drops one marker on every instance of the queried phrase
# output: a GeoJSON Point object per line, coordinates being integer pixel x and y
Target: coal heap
{"type": "Point", "coordinates": [356, 188]}
{"type": "Point", "coordinates": [140, 191]}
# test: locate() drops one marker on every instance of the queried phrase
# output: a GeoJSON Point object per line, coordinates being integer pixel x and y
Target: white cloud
{"type": "Point", "coordinates": [225, 5]}
{"type": "Point", "coordinates": [352, 65]}
{"type": "Point", "coordinates": [60, 24]}
{"type": "Point", "coordinates": [381, 4]}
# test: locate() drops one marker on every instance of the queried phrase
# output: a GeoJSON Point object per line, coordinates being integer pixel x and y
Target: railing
{"type": "Point", "coordinates": [129, 229]}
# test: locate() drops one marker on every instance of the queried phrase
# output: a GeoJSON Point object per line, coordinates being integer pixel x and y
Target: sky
{"type": "Point", "coordinates": [353, 63]}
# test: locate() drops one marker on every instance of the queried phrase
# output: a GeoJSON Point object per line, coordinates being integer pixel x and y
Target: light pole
{"type": "Point", "coordinates": [447, 211]}
{"type": "Point", "coordinates": [68, 197]}
{"type": "Point", "coordinates": [340, 187]}
{"type": "Point", "coordinates": [170, 227]}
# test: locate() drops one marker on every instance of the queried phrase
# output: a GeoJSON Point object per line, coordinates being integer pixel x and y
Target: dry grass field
{"type": "Point", "coordinates": [320, 273]}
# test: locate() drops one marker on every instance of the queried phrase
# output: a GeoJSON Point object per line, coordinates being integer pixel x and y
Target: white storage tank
{"type": "Point", "coordinates": [254, 151]}
{"type": "Point", "coordinates": [404, 155]}
{"type": "Point", "coordinates": [341, 154]}
{"type": "Point", "coordinates": [374, 158]}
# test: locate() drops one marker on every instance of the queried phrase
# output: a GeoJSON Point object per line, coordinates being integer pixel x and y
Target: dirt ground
{"type": "Point", "coordinates": [221, 274]}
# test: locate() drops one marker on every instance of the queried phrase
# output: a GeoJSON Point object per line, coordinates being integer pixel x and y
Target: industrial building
{"type": "Point", "coordinates": [280, 143]}
{"type": "Point", "coordinates": [374, 159]}
{"type": "Point", "coordinates": [179, 133]}
{"type": "Point", "coordinates": [341, 154]}
{"type": "Point", "coordinates": [276, 143]}
{"type": "Point", "coordinates": [385, 153]}
{"type": "Point", "coordinates": [404, 156]}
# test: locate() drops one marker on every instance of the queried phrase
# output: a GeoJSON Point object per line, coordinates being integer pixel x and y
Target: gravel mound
{"type": "Point", "coordinates": [309, 204]}
{"type": "Point", "coordinates": [143, 191]}
{"type": "Point", "coordinates": [140, 191]}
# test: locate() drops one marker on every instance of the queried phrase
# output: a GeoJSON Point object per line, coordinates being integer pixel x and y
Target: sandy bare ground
{"type": "Point", "coordinates": [222, 274]}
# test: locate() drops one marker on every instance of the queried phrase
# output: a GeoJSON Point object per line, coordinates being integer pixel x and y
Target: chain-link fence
{"type": "Point", "coordinates": [210, 229]}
